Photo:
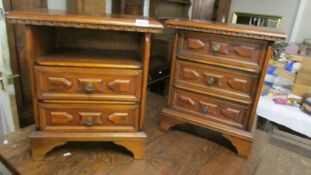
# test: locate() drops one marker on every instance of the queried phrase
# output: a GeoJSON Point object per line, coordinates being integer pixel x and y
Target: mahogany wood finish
{"type": "Point", "coordinates": [76, 83]}
{"type": "Point", "coordinates": [86, 6]}
{"type": "Point", "coordinates": [244, 31]}
{"type": "Point", "coordinates": [236, 85]}
{"type": "Point", "coordinates": [217, 75]}
{"type": "Point", "coordinates": [43, 142]}
{"type": "Point", "coordinates": [203, 9]}
{"type": "Point", "coordinates": [88, 77]}
{"type": "Point", "coordinates": [88, 117]}
{"type": "Point", "coordinates": [221, 11]}
{"type": "Point", "coordinates": [175, 152]}
{"type": "Point", "coordinates": [210, 108]}
{"type": "Point", "coordinates": [164, 9]}
{"type": "Point", "coordinates": [213, 10]}
{"type": "Point", "coordinates": [239, 52]}
{"type": "Point", "coordinates": [129, 7]}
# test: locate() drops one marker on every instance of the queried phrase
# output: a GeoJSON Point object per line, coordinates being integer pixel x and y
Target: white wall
{"type": "Point", "coordinates": [4, 170]}
{"type": "Point", "coordinates": [57, 4]}
{"type": "Point", "coordinates": [6, 116]}
{"type": "Point", "coordinates": [285, 8]}
{"type": "Point", "coordinates": [4, 48]}
{"type": "Point", "coordinates": [304, 25]}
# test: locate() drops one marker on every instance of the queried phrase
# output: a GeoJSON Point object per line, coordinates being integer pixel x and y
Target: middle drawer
{"type": "Point", "coordinates": [216, 81]}
{"type": "Point", "coordinates": [63, 83]}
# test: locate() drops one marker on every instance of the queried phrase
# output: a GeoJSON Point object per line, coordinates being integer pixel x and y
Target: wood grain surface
{"type": "Point", "coordinates": [174, 152]}
{"type": "Point", "coordinates": [218, 72]}
{"type": "Point", "coordinates": [67, 66]}
{"type": "Point", "coordinates": [245, 31]}
{"type": "Point", "coordinates": [60, 18]}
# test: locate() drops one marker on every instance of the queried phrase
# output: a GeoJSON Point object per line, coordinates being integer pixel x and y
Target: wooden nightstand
{"type": "Point", "coordinates": [89, 77]}
{"type": "Point", "coordinates": [217, 75]}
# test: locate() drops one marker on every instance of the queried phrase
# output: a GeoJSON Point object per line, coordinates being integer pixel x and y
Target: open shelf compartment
{"type": "Point", "coordinates": [74, 47]}
{"type": "Point", "coordinates": [118, 59]}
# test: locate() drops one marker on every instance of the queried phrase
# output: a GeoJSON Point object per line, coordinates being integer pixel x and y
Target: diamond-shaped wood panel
{"type": "Point", "coordinates": [119, 118]}
{"type": "Point", "coordinates": [59, 83]}
{"type": "Point", "coordinates": [61, 117]}
{"type": "Point", "coordinates": [120, 85]}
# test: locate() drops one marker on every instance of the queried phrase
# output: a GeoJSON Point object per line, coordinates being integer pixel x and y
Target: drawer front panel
{"type": "Point", "coordinates": [210, 108]}
{"type": "Point", "coordinates": [88, 117]}
{"type": "Point", "coordinates": [222, 50]}
{"type": "Point", "coordinates": [217, 81]}
{"type": "Point", "coordinates": [88, 84]}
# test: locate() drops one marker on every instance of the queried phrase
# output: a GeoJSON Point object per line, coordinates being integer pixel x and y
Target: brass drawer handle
{"type": "Point", "coordinates": [89, 121]}
{"type": "Point", "coordinates": [216, 47]}
{"type": "Point", "coordinates": [211, 80]}
{"type": "Point", "coordinates": [205, 109]}
{"type": "Point", "coordinates": [89, 87]}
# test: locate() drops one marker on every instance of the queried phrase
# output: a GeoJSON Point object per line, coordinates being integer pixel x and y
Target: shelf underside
{"type": "Point", "coordinates": [91, 58]}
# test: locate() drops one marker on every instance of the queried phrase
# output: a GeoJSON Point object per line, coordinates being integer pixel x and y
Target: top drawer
{"type": "Point", "coordinates": [239, 53]}
{"type": "Point", "coordinates": [66, 83]}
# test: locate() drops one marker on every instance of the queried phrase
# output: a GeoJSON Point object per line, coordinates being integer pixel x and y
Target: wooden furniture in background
{"type": "Point", "coordinates": [163, 9]}
{"type": "Point", "coordinates": [18, 52]}
{"type": "Point", "coordinates": [86, 6]}
{"type": "Point", "coordinates": [89, 77]}
{"type": "Point", "coordinates": [203, 9]}
{"type": "Point", "coordinates": [129, 7]}
{"type": "Point", "coordinates": [221, 11]}
{"type": "Point", "coordinates": [214, 10]}
{"type": "Point", "coordinates": [162, 43]}
{"type": "Point", "coordinates": [216, 77]}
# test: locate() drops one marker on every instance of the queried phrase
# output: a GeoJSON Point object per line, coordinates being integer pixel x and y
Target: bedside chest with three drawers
{"type": "Point", "coordinates": [216, 77]}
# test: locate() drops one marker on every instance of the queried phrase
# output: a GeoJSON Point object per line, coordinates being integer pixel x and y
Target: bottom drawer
{"type": "Point", "coordinates": [88, 117]}
{"type": "Point", "coordinates": [211, 108]}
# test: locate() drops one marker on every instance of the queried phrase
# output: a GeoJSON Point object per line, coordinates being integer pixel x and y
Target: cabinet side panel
{"type": "Point", "coordinates": [174, 48]}
{"type": "Point", "coordinates": [145, 55]}
{"type": "Point", "coordinates": [253, 116]}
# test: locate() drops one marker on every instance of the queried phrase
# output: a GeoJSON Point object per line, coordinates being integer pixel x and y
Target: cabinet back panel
{"type": "Point", "coordinates": [98, 39]}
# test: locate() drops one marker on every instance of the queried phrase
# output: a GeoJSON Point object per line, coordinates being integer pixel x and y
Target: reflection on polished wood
{"type": "Point", "coordinates": [119, 22]}
{"type": "Point", "coordinates": [260, 33]}
{"type": "Point", "coordinates": [174, 152]}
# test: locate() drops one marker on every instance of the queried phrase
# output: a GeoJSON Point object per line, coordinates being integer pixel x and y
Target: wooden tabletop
{"type": "Point", "coordinates": [190, 152]}
{"type": "Point", "coordinates": [59, 18]}
{"type": "Point", "coordinates": [246, 31]}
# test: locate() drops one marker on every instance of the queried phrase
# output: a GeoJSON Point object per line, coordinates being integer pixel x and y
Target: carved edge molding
{"type": "Point", "coordinates": [229, 33]}
{"type": "Point", "coordinates": [84, 25]}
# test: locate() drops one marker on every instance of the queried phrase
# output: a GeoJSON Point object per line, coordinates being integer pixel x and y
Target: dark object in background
{"type": "Point", "coordinates": [306, 104]}
{"type": "Point", "coordinates": [165, 9]}
{"type": "Point", "coordinates": [279, 49]}
{"type": "Point", "coordinates": [214, 10]}
{"type": "Point", "coordinates": [129, 7]}
{"type": "Point", "coordinates": [161, 52]}
{"type": "Point", "coordinates": [158, 79]}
